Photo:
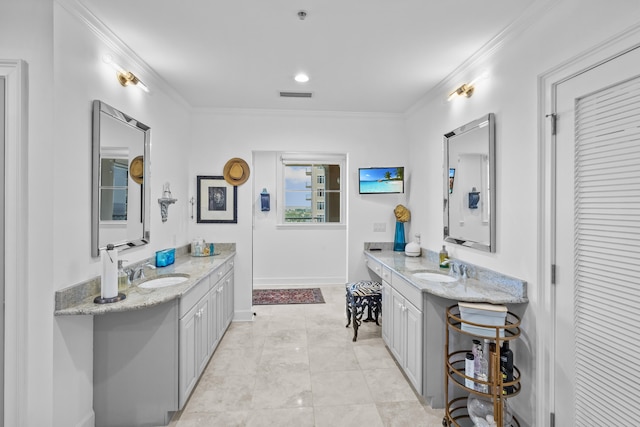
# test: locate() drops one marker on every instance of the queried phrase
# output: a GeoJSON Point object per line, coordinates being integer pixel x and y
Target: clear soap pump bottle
{"type": "Point", "coordinates": [444, 256]}
{"type": "Point", "coordinates": [123, 278]}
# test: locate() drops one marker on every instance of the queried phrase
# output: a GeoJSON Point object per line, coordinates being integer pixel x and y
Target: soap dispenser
{"type": "Point", "coordinates": [444, 256]}
{"type": "Point", "coordinates": [123, 278]}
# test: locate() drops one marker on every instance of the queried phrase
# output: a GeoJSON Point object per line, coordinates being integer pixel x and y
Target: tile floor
{"type": "Point", "coordinates": [296, 365]}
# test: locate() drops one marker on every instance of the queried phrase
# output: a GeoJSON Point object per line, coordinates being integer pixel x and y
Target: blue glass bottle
{"type": "Point", "coordinates": [399, 243]}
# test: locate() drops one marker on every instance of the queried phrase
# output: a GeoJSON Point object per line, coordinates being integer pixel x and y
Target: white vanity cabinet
{"type": "Point", "coordinates": [150, 349]}
{"type": "Point", "coordinates": [194, 338]}
{"type": "Point", "coordinates": [205, 314]}
{"type": "Point", "coordinates": [402, 322]}
{"type": "Point", "coordinates": [385, 275]}
{"type": "Point", "coordinates": [221, 303]}
{"type": "Point", "coordinates": [405, 338]}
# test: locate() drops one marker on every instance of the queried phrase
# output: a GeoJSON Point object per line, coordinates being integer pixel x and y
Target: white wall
{"type": "Point", "coordinates": [291, 256]}
{"type": "Point", "coordinates": [510, 91]}
{"type": "Point", "coordinates": [26, 31]}
{"type": "Point", "coordinates": [58, 360]}
{"type": "Point", "coordinates": [368, 140]}
{"type": "Point", "coordinates": [80, 77]}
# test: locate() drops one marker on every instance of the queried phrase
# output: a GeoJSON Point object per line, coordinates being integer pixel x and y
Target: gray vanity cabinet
{"type": "Point", "coordinates": [405, 331]}
{"type": "Point", "coordinates": [402, 322]}
{"type": "Point", "coordinates": [135, 366]}
{"type": "Point", "coordinates": [194, 340]}
{"type": "Point", "coordinates": [147, 361]}
{"type": "Point", "coordinates": [205, 314]}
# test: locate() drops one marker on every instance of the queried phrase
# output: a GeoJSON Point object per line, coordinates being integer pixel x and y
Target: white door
{"type": "Point", "coordinates": [597, 291]}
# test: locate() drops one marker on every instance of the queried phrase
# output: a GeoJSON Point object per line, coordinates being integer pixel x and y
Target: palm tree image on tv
{"type": "Point", "coordinates": [381, 180]}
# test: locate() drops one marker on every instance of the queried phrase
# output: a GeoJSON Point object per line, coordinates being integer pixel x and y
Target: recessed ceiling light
{"type": "Point", "coordinates": [301, 78]}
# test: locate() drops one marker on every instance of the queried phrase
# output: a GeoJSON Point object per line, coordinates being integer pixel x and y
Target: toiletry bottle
{"type": "Point", "coordinates": [469, 369]}
{"type": "Point", "coordinates": [123, 278]}
{"type": "Point", "coordinates": [506, 367]}
{"type": "Point", "coordinates": [482, 373]}
{"type": "Point", "coordinates": [444, 255]}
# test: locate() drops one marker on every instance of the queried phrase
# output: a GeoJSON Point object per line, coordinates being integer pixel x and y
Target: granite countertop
{"type": "Point", "coordinates": [483, 286]}
{"type": "Point", "coordinates": [78, 300]}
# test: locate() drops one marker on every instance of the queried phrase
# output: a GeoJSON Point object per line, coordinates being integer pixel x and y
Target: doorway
{"type": "Point", "coordinates": [595, 218]}
{"type": "Point", "coordinates": [297, 254]}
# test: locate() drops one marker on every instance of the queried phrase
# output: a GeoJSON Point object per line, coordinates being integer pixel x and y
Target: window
{"type": "Point", "coordinates": [312, 189]}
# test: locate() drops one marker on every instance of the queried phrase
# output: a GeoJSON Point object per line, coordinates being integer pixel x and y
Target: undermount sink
{"type": "Point", "coordinates": [164, 281]}
{"type": "Point", "coordinates": [435, 277]}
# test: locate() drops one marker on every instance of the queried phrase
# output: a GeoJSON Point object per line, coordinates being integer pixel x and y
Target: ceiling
{"type": "Point", "coordinates": [377, 56]}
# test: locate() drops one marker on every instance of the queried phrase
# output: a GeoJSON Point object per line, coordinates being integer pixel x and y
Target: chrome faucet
{"type": "Point", "coordinates": [138, 272]}
{"type": "Point", "coordinates": [463, 271]}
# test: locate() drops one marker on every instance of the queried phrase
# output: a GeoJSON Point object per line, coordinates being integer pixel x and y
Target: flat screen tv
{"type": "Point", "coordinates": [381, 180]}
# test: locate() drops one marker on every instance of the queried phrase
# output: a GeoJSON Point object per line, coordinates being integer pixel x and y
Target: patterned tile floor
{"type": "Point", "coordinates": [296, 365]}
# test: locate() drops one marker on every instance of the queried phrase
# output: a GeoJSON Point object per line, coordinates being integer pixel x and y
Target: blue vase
{"type": "Point", "coordinates": [399, 243]}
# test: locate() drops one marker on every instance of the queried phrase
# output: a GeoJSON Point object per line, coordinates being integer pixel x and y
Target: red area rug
{"type": "Point", "coordinates": [287, 296]}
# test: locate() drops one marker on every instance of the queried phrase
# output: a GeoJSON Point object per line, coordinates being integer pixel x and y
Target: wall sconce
{"type": "Point", "coordinates": [166, 200]}
{"type": "Point", "coordinates": [125, 78]}
{"type": "Point", "coordinates": [465, 90]}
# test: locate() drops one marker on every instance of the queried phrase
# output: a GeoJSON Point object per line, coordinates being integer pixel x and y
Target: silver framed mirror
{"type": "Point", "coordinates": [120, 196]}
{"type": "Point", "coordinates": [469, 185]}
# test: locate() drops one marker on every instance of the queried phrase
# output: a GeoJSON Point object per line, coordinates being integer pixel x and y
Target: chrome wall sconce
{"type": "Point", "coordinates": [465, 90]}
{"type": "Point", "coordinates": [125, 78]}
{"type": "Point", "coordinates": [165, 201]}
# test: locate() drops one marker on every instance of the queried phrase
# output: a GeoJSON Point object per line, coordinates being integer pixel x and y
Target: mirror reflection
{"type": "Point", "coordinates": [469, 193]}
{"type": "Point", "coordinates": [120, 197]}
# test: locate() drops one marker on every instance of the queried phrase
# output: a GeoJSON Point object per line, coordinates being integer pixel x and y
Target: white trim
{"type": "Point", "coordinates": [88, 421]}
{"type": "Point", "coordinates": [16, 214]}
{"type": "Point", "coordinates": [310, 158]}
{"type": "Point", "coordinates": [121, 51]}
{"type": "Point", "coordinates": [547, 83]}
{"type": "Point", "coordinates": [441, 90]}
{"type": "Point", "coordinates": [296, 282]}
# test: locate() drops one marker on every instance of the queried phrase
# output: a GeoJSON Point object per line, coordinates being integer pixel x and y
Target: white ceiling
{"type": "Point", "coordinates": [362, 56]}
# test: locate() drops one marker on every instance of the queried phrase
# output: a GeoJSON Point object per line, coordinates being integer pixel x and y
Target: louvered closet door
{"type": "Point", "coordinates": [597, 333]}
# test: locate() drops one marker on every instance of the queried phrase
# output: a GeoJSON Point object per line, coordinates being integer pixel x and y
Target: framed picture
{"type": "Point", "coordinates": [217, 200]}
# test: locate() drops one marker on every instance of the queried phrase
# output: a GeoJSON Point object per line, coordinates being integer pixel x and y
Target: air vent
{"type": "Point", "coordinates": [296, 94]}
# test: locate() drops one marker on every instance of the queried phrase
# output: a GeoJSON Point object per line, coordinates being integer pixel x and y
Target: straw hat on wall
{"type": "Point", "coordinates": [136, 169]}
{"type": "Point", "coordinates": [236, 171]}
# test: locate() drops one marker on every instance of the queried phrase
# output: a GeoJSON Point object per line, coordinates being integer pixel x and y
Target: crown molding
{"type": "Point", "coordinates": [121, 50]}
{"type": "Point", "coordinates": [298, 113]}
{"type": "Point", "coordinates": [489, 49]}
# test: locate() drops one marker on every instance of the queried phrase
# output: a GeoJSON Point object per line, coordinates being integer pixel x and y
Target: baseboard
{"type": "Point", "coordinates": [297, 282]}
{"type": "Point", "coordinates": [243, 316]}
{"type": "Point", "coordinates": [88, 421]}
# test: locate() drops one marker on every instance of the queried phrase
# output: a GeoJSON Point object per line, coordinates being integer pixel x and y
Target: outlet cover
{"type": "Point", "coordinates": [379, 227]}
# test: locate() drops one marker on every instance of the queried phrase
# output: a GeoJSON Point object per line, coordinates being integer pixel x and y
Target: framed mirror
{"type": "Point", "coordinates": [469, 185]}
{"type": "Point", "coordinates": [120, 197]}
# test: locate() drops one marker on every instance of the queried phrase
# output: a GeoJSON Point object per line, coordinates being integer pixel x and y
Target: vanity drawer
{"type": "Point", "coordinates": [386, 274]}
{"type": "Point", "coordinates": [374, 266]}
{"type": "Point", "coordinates": [410, 292]}
{"type": "Point", "coordinates": [220, 272]}
{"type": "Point", "coordinates": [194, 295]}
